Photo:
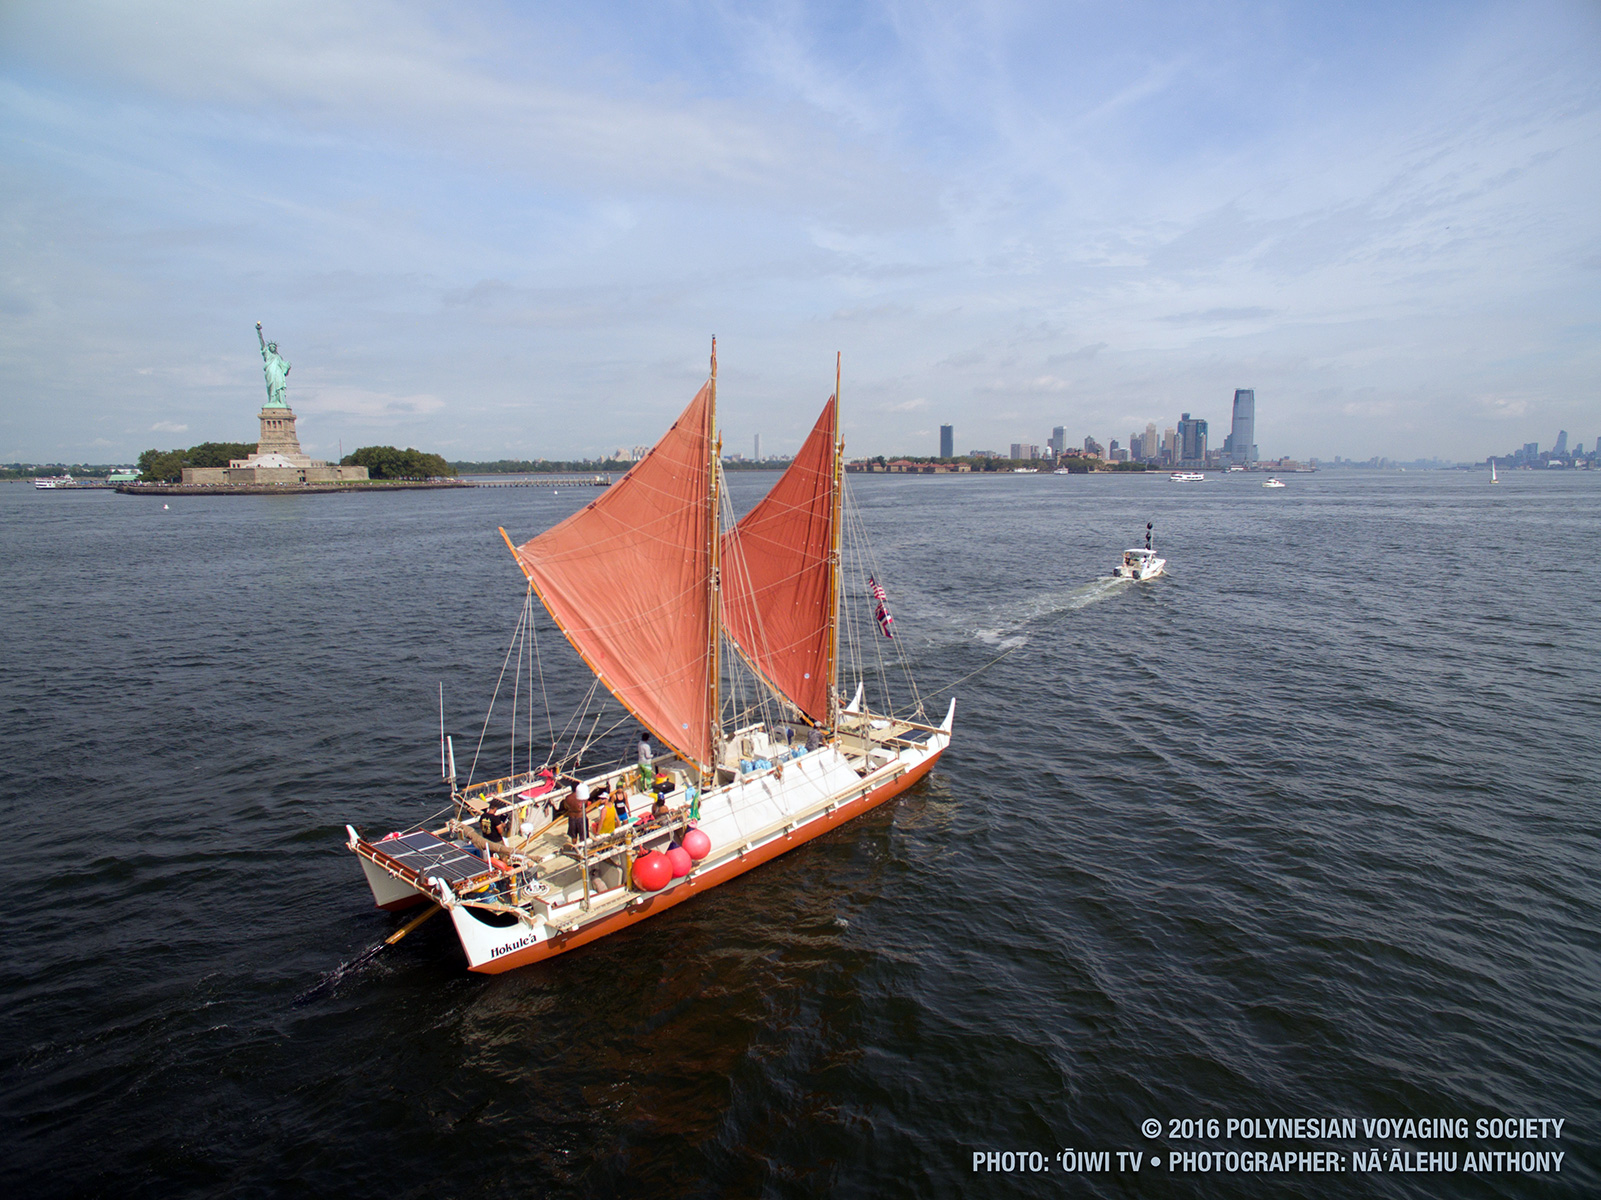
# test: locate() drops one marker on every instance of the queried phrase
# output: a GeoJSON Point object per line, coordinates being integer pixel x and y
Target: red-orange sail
{"type": "Point", "coordinates": [627, 580]}
{"type": "Point", "coordinates": [777, 576]}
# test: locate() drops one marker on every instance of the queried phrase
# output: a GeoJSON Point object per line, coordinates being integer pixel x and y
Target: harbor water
{"type": "Point", "coordinates": [1307, 828]}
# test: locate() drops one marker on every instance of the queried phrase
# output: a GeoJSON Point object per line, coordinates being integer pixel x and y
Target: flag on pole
{"type": "Point", "coordinates": [886, 622]}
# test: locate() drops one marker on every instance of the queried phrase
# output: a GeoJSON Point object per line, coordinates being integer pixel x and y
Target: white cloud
{"type": "Point", "coordinates": [382, 408]}
{"type": "Point", "coordinates": [499, 230]}
{"type": "Point", "coordinates": [168, 427]}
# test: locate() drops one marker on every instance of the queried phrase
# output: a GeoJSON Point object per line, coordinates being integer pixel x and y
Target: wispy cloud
{"type": "Point", "coordinates": [508, 231]}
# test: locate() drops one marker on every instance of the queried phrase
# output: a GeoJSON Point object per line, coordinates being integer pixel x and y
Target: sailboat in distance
{"type": "Point", "coordinates": [758, 753]}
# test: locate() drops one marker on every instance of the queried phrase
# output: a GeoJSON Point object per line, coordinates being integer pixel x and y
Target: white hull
{"type": "Point", "coordinates": [1148, 571]}
{"type": "Point", "coordinates": [749, 821]}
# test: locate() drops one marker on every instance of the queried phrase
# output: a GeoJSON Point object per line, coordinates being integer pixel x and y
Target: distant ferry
{"type": "Point", "coordinates": [1187, 477]}
{"type": "Point", "coordinates": [1025, 470]}
{"type": "Point", "coordinates": [51, 483]}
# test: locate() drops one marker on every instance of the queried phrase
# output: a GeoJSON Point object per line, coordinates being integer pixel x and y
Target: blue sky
{"type": "Point", "coordinates": [508, 230]}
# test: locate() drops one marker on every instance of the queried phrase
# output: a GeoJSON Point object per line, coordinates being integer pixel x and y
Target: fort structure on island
{"type": "Point", "coordinates": [278, 458]}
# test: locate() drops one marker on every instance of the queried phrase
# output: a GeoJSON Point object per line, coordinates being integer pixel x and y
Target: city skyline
{"type": "Point", "coordinates": [493, 231]}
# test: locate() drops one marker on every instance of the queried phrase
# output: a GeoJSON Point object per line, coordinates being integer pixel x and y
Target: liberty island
{"type": "Point", "coordinates": [278, 458]}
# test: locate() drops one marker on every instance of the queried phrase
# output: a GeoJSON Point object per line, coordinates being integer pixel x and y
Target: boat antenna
{"type": "Point", "coordinates": [447, 751]}
{"type": "Point", "coordinates": [1147, 535]}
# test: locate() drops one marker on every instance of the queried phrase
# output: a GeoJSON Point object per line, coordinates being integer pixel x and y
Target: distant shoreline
{"type": "Point", "coordinates": [286, 489]}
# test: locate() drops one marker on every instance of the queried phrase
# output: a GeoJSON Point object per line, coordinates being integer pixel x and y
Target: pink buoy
{"type": "Point", "coordinates": [652, 871]}
{"type": "Point", "coordinates": [678, 858]}
{"type": "Point", "coordinates": [697, 845]}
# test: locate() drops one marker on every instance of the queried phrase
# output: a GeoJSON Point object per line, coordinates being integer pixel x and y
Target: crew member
{"type": "Point", "coordinates": [574, 807]}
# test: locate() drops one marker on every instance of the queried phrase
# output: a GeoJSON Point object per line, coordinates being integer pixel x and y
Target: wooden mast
{"type": "Point", "coordinates": [838, 467]}
{"type": "Point", "coordinates": [714, 682]}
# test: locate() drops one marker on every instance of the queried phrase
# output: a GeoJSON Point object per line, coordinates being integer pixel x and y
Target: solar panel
{"type": "Point", "coordinates": [427, 855]}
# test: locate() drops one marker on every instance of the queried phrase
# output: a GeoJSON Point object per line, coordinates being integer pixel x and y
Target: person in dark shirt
{"type": "Point", "coordinates": [577, 826]}
{"type": "Point", "coordinates": [494, 824]}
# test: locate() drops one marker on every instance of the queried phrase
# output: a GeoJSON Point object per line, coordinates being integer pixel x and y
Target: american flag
{"type": "Point", "coordinates": [885, 621]}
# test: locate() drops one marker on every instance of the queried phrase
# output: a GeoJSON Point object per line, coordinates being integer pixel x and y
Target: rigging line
{"type": "Point", "coordinates": [578, 714]}
{"type": "Point", "coordinates": [899, 647]}
{"type": "Point", "coordinates": [979, 671]}
{"type": "Point", "coordinates": [590, 741]}
{"type": "Point", "coordinates": [550, 721]}
{"type": "Point", "coordinates": [517, 684]}
{"type": "Point", "coordinates": [482, 733]}
{"type": "Point", "coordinates": [527, 602]}
{"type": "Point", "coordinates": [865, 559]}
{"type": "Point", "coordinates": [577, 719]}
{"type": "Point", "coordinates": [739, 570]}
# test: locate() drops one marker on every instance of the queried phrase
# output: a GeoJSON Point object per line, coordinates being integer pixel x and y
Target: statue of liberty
{"type": "Point", "coordinates": [276, 370]}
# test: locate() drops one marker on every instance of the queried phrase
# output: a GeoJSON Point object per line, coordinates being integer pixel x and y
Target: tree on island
{"type": "Point", "coordinates": [166, 466]}
{"type": "Point", "coordinates": [386, 462]}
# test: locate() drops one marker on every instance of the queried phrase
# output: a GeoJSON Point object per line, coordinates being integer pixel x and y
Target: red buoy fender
{"type": "Point", "coordinates": [696, 844]}
{"type": "Point", "coordinates": [678, 858]}
{"type": "Point", "coordinates": [652, 871]}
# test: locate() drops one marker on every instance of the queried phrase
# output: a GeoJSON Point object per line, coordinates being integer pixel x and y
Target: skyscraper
{"type": "Point", "coordinates": [1242, 433]}
{"type": "Point", "coordinates": [758, 455]}
{"type": "Point", "coordinates": [1192, 440]}
{"type": "Point", "coordinates": [1058, 441]}
{"type": "Point", "coordinates": [947, 441]}
{"type": "Point", "coordinates": [1560, 450]}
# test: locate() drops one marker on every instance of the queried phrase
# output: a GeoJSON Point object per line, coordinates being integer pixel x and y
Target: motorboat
{"type": "Point", "coordinates": [1187, 477]}
{"type": "Point", "coordinates": [1140, 562]}
{"type": "Point", "coordinates": [1273, 483]}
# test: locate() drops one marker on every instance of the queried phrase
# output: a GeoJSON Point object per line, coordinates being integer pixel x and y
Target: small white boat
{"type": "Point", "coordinates": [1141, 562]}
{"type": "Point", "coordinates": [1025, 470]}
{"type": "Point", "coordinates": [1273, 483]}
{"type": "Point", "coordinates": [1061, 471]}
{"type": "Point", "coordinates": [1493, 479]}
{"type": "Point", "coordinates": [1187, 477]}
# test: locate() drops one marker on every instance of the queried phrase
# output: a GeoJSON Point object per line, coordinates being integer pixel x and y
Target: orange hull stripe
{"type": "Point", "coordinates": [696, 883]}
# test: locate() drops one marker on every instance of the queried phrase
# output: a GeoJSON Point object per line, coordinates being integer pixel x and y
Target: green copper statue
{"type": "Point", "coordinates": [276, 370]}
